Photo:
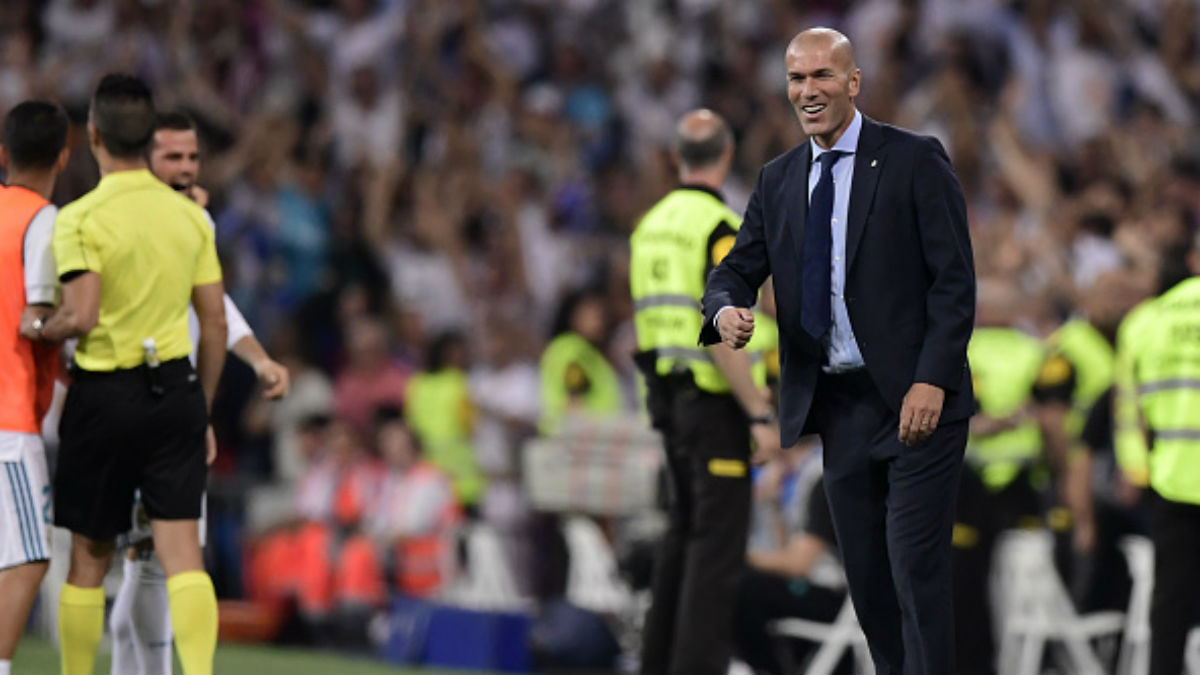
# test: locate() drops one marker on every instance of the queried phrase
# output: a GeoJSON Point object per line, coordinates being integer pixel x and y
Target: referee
{"type": "Point", "coordinates": [130, 255]}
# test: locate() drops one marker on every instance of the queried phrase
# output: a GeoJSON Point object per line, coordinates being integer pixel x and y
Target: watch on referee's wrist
{"type": "Point", "coordinates": [38, 325]}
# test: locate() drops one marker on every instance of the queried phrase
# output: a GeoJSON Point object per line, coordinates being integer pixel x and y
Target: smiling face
{"type": "Point", "coordinates": [822, 83]}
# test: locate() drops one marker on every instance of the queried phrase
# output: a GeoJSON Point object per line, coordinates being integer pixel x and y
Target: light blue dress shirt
{"type": "Point", "coordinates": [840, 345]}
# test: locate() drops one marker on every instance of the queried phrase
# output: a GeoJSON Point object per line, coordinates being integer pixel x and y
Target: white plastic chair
{"type": "Point", "coordinates": [487, 583]}
{"type": "Point", "coordinates": [1135, 652]}
{"type": "Point", "coordinates": [835, 638]}
{"type": "Point", "coordinates": [1035, 609]}
{"type": "Point", "coordinates": [1135, 649]}
{"type": "Point", "coordinates": [593, 581]}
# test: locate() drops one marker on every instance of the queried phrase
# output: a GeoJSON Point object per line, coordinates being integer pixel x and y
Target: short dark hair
{"type": "Point", "coordinates": [35, 133]}
{"type": "Point", "coordinates": [123, 112]}
{"type": "Point", "coordinates": [697, 153]}
{"type": "Point", "coordinates": [174, 120]}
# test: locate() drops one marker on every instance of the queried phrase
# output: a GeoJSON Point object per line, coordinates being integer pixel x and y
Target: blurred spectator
{"type": "Point", "coordinates": [372, 379]}
{"type": "Point", "coordinates": [416, 514]}
{"type": "Point", "coordinates": [442, 414]}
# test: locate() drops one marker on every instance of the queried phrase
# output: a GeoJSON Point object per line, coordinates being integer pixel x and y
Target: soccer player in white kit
{"type": "Point", "coordinates": [33, 154]}
{"type": "Point", "coordinates": [141, 620]}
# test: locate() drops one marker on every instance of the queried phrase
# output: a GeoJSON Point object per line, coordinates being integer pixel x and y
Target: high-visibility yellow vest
{"type": "Point", "coordinates": [668, 258]}
{"type": "Point", "coordinates": [1005, 364]}
{"type": "Point", "coordinates": [1093, 360]}
{"type": "Point", "coordinates": [439, 409]}
{"type": "Point", "coordinates": [567, 358]}
{"type": "Point", "coordinates": [1129, 437]}
{"type": "Point", "coordinates": [763, 348]}
{"type": "Point", "coordinates": [1166, 370]}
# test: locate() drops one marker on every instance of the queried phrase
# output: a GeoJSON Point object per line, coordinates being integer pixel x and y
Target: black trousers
{"type": "Point", "coordinates": [1175, 530]}
{"type": "Point", "coordinates": [766, 597]}
{"type": "Point", "coordinates": [699, 563]}
{"type": "Point", "coordinates": [893, 512]}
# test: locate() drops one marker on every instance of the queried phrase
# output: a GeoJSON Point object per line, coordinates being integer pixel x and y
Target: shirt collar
{"type": "Point", "coordinates": [847, 143]}
{"type": "Point", "coordinates": [129, 176]}
{"type": "Point", "coordinates": [703, 188]}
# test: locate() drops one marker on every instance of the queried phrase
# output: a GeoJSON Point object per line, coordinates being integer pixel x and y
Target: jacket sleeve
{"type": "Point", "coordinates": [941, 214]}
{"type": "Point", "coordinates": [735, 281]}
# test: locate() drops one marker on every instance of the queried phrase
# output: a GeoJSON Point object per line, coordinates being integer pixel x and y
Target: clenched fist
{"type": "Point", "coordinates": [736, 325]}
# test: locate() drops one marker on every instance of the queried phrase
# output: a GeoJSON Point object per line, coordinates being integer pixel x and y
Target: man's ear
{"type": "Point", "coordinates": [64, 156]}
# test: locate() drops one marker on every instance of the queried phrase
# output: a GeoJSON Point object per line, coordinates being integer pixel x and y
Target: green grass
{"type": "Point", "coordinates": [39, 657]}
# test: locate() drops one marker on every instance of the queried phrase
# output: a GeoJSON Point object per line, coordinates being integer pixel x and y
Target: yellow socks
{"type": "Point", "coordinates": [80, 625]}
{"type": "Point", "coordinates": [194, 618]}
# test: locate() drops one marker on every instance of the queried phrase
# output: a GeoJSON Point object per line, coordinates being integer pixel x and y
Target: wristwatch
{"type": "Point", "coordinates": [37, 324]}
{"type": "Point", "coordinates": [769, 418]}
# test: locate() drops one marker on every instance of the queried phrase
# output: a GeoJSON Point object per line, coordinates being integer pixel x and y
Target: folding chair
{"type": "Point", "coordinates": [835, 638]}
{"type": "Point", "coordinates": [1035, 609]}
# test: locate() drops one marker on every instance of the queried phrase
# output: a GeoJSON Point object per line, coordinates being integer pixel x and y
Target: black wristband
{"type": "Point", "coordinates": [761, 419]}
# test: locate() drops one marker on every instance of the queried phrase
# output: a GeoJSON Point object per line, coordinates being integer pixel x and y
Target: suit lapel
{"type": "Point", "coordinates": [795, 211]}
{"type": "Point", "coordinates": [868, 163]}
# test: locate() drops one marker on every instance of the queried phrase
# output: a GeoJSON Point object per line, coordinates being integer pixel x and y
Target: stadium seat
{"type": "Point", "coordinates": [833, 638]}
{"type": "Point", "coordinates": [1035, 609]}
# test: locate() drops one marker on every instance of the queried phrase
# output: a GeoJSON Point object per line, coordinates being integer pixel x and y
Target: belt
{"type": "Point", "coordinates": [168, 373]}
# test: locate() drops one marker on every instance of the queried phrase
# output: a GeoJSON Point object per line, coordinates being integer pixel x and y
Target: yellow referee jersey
{"type": "Point", "coordinates": [150, 246]}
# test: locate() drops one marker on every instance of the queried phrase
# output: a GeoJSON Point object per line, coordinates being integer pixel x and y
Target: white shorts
{"type": "Point", "coordinates": [24, 500]}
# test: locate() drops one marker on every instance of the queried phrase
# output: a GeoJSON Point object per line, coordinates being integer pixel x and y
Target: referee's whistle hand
{"type": "Point", "coordinates": [736, 325]}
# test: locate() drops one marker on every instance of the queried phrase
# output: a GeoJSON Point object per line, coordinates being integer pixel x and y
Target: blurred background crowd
{"type": "Point", "coordinates": [413, 197]}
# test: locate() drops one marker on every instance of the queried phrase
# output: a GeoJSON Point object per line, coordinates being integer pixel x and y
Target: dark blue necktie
{"type": "Point", "coordinates": [815, 310]}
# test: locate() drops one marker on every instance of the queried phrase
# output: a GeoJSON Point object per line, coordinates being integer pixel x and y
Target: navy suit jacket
{"type": "Point", "coordinates": [910, 276]}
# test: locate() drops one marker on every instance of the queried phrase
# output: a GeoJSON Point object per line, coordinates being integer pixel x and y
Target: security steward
{"type": "Point", "coordinates": [1159, 367]}
{"type": "Point", "coordinates": [130, 255]}
{"type": "Point", "coordinates": [705, 403]}
{"type": "Point", "coordinates": [1005, 447]}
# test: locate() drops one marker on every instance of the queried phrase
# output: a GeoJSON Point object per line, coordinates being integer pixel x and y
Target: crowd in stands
{"type": "Point", "coordinates": [407, 193]}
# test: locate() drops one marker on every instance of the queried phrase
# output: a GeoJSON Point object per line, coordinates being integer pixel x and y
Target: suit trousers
{"type": "Point", "coordinates": [893, 512]}
{"type": "Point", "coordinates": [1176, 600]}
{"type": "Point", "coordinates": [699, 564]}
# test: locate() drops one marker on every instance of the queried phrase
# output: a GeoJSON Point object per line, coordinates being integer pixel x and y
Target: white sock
{"type": "Point", "coordinates": [142, 605]}
{"type": "Point", "coordinates": [5, 667]}
{"type": "Point", "coordinates": [120, 623]}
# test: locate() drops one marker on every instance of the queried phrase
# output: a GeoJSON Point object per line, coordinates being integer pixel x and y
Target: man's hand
{"type": "Point", "coordinates": [736, 325]}
{"type": "Point", "coordinates": [210, 440]}
{"type": "Point", "coordinates": [274, 379]}
{"type": "Point", "coordinates": [199, 195]}
{"type": "Point", "coordinates": [920, 412]}
{"type": "Point", "coordinates": [30, 313]}
{"type": "Point", "coordinates": [766, 443]}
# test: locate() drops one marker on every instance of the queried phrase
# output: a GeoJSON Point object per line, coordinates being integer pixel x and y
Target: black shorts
{"type": "Point", "coordinates": [117, 436]}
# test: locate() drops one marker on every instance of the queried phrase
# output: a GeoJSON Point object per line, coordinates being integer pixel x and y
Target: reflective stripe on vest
{"type": "Point", "coordinates": [1166, 363]}
{"type": "Point", "coordinates": [1166, 385]}
{"type": "Point", "coordinates": [668, 258]}
{"type": "Point", "coordinates": [665, 300]}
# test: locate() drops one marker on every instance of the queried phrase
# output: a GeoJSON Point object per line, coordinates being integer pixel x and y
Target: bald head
{"type": "Point", "coordinates": [822, 83]}
{"type": "Point", "coordinates": [702, 139]}
{"type": "Point", "coordinates": [835, 42]}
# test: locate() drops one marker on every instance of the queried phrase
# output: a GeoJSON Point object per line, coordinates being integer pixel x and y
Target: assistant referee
{"type": "Point", "coordinates": [130, 255]}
